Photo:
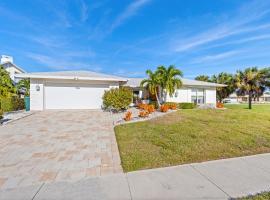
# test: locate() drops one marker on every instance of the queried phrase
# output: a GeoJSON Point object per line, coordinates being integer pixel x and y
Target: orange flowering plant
{"type": "Point", "coordinates": [128, 116]}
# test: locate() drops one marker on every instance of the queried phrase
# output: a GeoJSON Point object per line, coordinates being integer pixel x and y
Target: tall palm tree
{"type": "Point", "coordinates": [227, 79]}
{"type": "Point", "coordinates": [152, 83]}
{"type": "Point", "coordinates": [251, 81]}
{"type": "Point", "coordinates": [169, 79]}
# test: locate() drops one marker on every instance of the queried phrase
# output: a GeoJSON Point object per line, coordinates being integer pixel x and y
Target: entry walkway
{"type": "Point", "coordinates": [221, 179]}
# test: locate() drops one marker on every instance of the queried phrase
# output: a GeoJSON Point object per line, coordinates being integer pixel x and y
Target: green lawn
{"type": "Point", "coordinates": [262, 196]}
{"type": "Point", "coordinates": [188, 136]}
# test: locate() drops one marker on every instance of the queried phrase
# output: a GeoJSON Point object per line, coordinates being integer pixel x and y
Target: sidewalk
{"type": "Point", "coordinates": [221, 179]}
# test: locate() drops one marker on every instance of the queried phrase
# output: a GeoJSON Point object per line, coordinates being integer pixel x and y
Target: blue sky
{"type": "Point", "coordinates": [127, 37]}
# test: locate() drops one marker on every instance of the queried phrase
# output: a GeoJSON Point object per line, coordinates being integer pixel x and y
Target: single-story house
{"type": "Point", "coordinates": [84, 89]}
{"type": "Point", "coordinates": [234, 98]}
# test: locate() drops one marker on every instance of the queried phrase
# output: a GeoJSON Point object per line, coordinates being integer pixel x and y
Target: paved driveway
{"type": "Point", "coordinates": [55, 146]}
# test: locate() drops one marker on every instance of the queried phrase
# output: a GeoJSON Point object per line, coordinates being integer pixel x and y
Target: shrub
{"type": "Point", "coordinates": [1, 114]}
{"type": "Point", "coordinates": [171, 105]}
{"type": "Point", "coordinates": [143, 106]}
{"type": "Point", "coordinates": [186, 105]}
{"type": "Point", "coordinates": [128, 116]}
{"type": "Point", "coordinates": [154, 103]}
{"type": "Point", "coordinates": [143, 114]}
{"type": "Point", "coordinates": [164, 108]}
{"type": "Point", "coordinates": [150, 108]}
{"type": "Point", "coordinates": [117, 98]}
{"type": "Point", "coordinates": [11, 104]}
{"type": "Point", "coordinates": [220, 105]}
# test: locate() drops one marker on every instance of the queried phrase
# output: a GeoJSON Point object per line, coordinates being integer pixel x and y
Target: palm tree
{"type": "Point", "coordinates": [169, 80]}
{"type": "Point", "coordinates": [152, 83]}
{"type": "Point", "coordinates": [203, 78]}
{"type": "Point", "coordinates": [25, 85]}
{"type": "Point", "coordinates": [226, 79]}
{"type": "Point", "coordinates": [252, 81]}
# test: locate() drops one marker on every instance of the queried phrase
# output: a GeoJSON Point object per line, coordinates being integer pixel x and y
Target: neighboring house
{"type": "Point", "coordinates": [233, 98]}
{"type": "Point", "coordinates": [84, 89]}
{"type": "Point", "coordinates": [198, 92]}
{"type": "Point", "coordinates": [7, 63]}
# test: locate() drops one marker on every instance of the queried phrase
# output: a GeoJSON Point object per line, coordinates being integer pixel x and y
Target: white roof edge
{"type": "Point", "coordinates": [35, 76]}
{"type": "Point", "coordinates": [16, 66]}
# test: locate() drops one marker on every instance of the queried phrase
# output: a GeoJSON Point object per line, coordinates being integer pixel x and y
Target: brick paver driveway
{"type": "Point", "coordinates": [54, 146]}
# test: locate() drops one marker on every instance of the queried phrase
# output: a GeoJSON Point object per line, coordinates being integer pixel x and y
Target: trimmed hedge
{"type": "Point", "coordinates": [11, 104]}
{"type": "Point", "coordinates": [186, 105]}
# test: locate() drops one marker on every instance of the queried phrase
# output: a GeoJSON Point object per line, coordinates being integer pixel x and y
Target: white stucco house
{"type": "Point", "coordinates": [10, 67]}
{"type": "Point", "coordinates": [84, 89]}
{"type": "Point", "coordinates": [198, 92]}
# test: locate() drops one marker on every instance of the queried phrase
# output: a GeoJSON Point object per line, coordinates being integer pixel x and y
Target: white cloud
{"type": "Point", "coordinates": [239, 23]}
{"type": "Point", "coordinates": [130, 10]}
{"type": "Point", "coordinates": [215, 57]}
{"type": "Point", "coordinates": [62, 63]}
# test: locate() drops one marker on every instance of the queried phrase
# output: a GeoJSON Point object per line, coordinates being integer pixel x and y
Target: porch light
{"type": "Point", "coordinates": [176, 94]}
{"type": "Point", "coordinates": [37, 88]}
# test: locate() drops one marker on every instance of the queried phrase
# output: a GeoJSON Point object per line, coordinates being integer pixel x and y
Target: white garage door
{"type": "Point", "coordinates": [73, 96]}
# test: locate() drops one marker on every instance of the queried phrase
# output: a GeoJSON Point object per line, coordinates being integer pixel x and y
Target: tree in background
{"type": "Point", "coordinates": [24, 85]}
{"type": "Point", "coordinates": [7, 87]}
{"type": "Point", "coordinates": [152, 83]}
{"type": "Point", "coordinates": [227, 79]}
{"type": "Point", "coordinates": [203, 78]}
{"type": "Point", "coordinates": [252, 82]}
{"type": "Point", "coordinates": [169, 79]}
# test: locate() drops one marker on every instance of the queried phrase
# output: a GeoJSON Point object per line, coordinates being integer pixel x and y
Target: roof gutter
{"type": "Point", "coordinates": [68, 77]}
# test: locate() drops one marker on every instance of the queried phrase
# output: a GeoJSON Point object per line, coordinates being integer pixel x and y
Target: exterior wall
{"type": "Point", "coordinates": [184, 95]}
{"type": "Point", "coordinates": [181, 95]}
{"type": "Point", "coordinates": [12, 71]}
{"type": "Point", "coordinates": [37, 98]}
{"type": "Point", "coordinates": [210, 96]}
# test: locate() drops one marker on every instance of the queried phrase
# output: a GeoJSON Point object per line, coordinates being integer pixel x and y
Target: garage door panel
{"type": "Point", "coordinates": [74, 96]}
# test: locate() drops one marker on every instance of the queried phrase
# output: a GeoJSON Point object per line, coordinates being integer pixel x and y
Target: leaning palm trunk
{"type": "Point", "coordinates": [158, 102]}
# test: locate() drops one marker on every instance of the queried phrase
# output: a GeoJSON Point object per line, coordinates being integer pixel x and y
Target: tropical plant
{"type": "Point", "coordinates": [169, 79]}
{"type": "Point", "coordinates": [117, 98]}
{"type": "Point", "coordinates": [7, 87]}
{"type": "Point", "coordinates": [152, 83]}
{"type": "Point", "coordinates": [203, 78]}
{"type": "Point", "coordinates": [228, 80]}
{"type": "Point", "coordinates": [24, 85]}
{"type": "Point", "coordinates": [252, 82]}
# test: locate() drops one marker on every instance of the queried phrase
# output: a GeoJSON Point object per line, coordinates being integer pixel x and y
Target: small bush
{"type": "Point", "coordinates": [128, 116]}
{"type": "Point", "coordinates": [186, 105]}
{"type": "Point", "coordinates": [117, 98]}
{"type": "Point", "coordinates": [171, 105]}
{"type": "Point", "coordinates": [154, 103]}
{"type": "Point", "coordinates": [164, 108]}
{"type": "Point", "coordinates": [11, 104]}
{"type": "Point", "coordinates": [144, 114]}
{"type": "Point", "coordinates": [220, 105]}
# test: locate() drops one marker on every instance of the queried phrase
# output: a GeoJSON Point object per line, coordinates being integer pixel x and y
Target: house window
{"type": "Point", "coordinates": [197, 96]}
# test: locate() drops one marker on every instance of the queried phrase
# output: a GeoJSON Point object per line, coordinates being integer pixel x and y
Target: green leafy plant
{"type": "Point", "coordinates": [11, 103]}
{"type": "Point", "coordinates": [117, 98]}
{"type": "Point", "coordinates": [1, 114]}
{"type": "Point", "coordinates": [24, 84]}
{"type": "Point", "coordinates": [186, 105]}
